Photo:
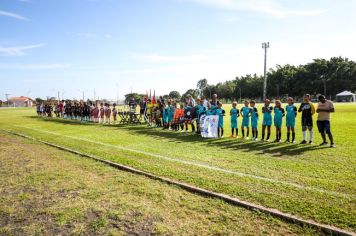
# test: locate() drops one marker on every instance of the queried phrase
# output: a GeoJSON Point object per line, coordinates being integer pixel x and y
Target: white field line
{"type": "Point", "coordinates": [201, 165]}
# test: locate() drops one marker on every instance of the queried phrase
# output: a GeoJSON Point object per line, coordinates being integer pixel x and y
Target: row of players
{"type": "Point", "coordinates": [80, 111]}
{"type": "Point", "coordinates": [169, 116]}
{"type": "Point", "coordinates": [250, 117]}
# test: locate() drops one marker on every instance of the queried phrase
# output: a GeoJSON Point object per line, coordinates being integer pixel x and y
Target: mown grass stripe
{"type": "Point", "coordinates": [250, 206]}
{"type": "Point", "coordinates": [201, 165]}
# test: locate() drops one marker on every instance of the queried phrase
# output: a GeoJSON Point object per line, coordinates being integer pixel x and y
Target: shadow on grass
{"type": "Point", "coordinates": [275, 149]}
{"type": "Point", "coordinates": [69, 121]}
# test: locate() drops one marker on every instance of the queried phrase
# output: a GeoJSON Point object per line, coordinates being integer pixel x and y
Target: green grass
{"type": "Point", "coordinates": [44, 191]}
{"type": "Point", "coordinates": [313, 182]}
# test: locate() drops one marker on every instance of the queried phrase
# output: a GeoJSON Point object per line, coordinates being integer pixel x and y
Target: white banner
{"type": "Point", "coordinates": [209, 126]}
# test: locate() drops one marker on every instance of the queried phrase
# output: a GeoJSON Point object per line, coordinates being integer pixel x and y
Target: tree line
{"type": "Point", "coordinates": [320, 76]}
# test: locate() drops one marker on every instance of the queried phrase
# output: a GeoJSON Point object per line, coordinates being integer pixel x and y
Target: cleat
{"type": "Point", "coordinates": [310, 142]}
{"type": "Point", "coordinates": [332, 145]}
{"type": "Point", "coordinates": [303, 142]}
{"type": "Point", "coordinates": [324, 144]}
{"type": "Point", "coordinates": [287, 141]}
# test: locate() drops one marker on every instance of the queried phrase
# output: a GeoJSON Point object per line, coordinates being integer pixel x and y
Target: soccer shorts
{"type": "Point", "coordinates": [278, 123]}
{"type": "Point", "coordinates": [323, 126]}
{"type": "Point", "coordinates": [307, 121]}
{"type": "Point", "coordinates": [290, 122]}
{"type": "Point", "coordinates": [234, 124]}
{"type": "Point", "coordinates": [245, 122]}
{"type": "Point", "coordinates": [267, 122]}
{"type": "Point", "coordinates": [254, 124]}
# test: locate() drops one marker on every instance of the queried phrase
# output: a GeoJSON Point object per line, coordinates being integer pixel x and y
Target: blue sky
{"type": "Point", "coordinates": [115, 46]}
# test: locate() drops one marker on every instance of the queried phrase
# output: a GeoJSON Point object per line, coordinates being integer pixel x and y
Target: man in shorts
{"type": "Point", "coordinates": [308, 110]}
{"type": "Point", "coordinates": [325, 107]}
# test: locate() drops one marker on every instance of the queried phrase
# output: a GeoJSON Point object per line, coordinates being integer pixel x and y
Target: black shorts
{"type": "Point", "coordinates": [323, 126]}
{"type": "Point", "coordinates": [307, 121]}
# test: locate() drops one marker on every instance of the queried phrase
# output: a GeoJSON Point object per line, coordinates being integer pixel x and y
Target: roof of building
{"type": "Point", "coordinates": [21, 98]}
{"type": "Point", "coordinates": [345, 93]}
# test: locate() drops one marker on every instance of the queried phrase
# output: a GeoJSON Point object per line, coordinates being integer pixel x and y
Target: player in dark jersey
{"type": "Point", "coordinates": [308, 110]}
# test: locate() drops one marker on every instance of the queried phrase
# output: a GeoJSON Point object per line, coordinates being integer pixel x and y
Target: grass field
{"type": "Point", "coordinates": [309, 181]}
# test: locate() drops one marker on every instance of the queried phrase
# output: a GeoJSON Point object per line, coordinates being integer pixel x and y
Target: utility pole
{"type": "Point", "coordinates": [7, 98]}
{"type": "Point", "coordinates": [265, 46]}
{"type": "Point", "coordinates": [117, 94]}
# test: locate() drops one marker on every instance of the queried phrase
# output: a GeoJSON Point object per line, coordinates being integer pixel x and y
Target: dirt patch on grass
{"type": "Point", "coordinates": [49, 192]}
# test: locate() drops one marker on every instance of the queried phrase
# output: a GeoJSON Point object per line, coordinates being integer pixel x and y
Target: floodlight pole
{"type": "Point", "coordinates": [240, 92]}
{"type": "Point", "coordinates": [7, 98]}
{"type": "Point", "coordinates": [265, 46]}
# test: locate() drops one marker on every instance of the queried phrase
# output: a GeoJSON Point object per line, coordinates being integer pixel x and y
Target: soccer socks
{"type": "Point", "coordinates": [304, 135]}
{"type": "Point", "coordinates": [263, 134]}
{"type": "Point", "coordinates": [237, 131]}
{"type": "Point", "coordinates": [232, 131]}
{"type": "Point", "coordinates": [268, 135]}
{"type": "Point", "coordinates": [243, 132]}
{"type": "Point", "coordinates": [254, 133]}
{"type": "Point", "coordinates": [293, 136]}
{"type": "Point", "coordinates": [278, 135]}
{"type": "Point", "coordinates": [311, 135]}
{"type": "Point", "coordinates": [288, 136]}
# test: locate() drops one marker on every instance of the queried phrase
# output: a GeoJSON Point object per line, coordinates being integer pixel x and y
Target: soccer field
{"type": "Point", "coordinates": [309, 181]}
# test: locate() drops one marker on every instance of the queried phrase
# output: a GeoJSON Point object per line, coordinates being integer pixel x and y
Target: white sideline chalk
{"type": "Point", "coordinates": [328, 229]}
{"type": "Point", "coordinates": [201, 165]}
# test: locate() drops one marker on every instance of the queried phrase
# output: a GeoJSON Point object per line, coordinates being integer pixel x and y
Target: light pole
{"type": "Point", "coordinates": [240, 93]}
{"type": "Point", "coordinates": [265, 46]}
{"type": "Point", "coordinates": [7, 98]}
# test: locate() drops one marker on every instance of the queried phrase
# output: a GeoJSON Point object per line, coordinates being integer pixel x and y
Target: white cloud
{"type": "Point", "coordinates": [269, 7]}
{"type": "Point", "coordinates": [13, 15]}
{"type": "Point", "coordinates": [34, 66]}
{"type": "Point", "coordinates": [19, 50]}
{"type": "Point", "coordinates": [171, 58]}
{"type": "Point", "coordinates": [86, 35]}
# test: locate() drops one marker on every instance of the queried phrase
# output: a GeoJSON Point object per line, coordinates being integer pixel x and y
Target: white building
{"type": "Point", "coordinates": [20, 102]}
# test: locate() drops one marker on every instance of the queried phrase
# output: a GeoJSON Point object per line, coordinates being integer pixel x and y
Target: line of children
{"type": "Point", "coordinates": [174, 118]}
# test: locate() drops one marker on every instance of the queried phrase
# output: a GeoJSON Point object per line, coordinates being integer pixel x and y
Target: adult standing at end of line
{"type": "Point", "coordinates": [308, 110]}
{"type": "Point", "coordinates": [325, 107]}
